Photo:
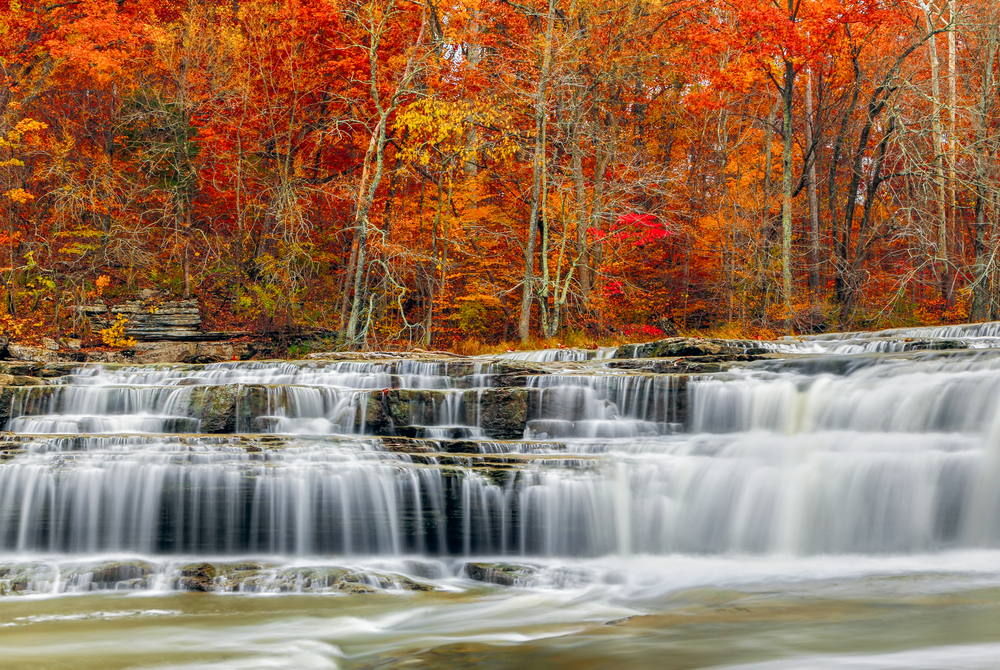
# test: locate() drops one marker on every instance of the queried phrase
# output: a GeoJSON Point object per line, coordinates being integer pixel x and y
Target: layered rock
{"type": "Point", "coordinates": [155, 321]}
{"type": "Point", "coordinates": [689, 346]}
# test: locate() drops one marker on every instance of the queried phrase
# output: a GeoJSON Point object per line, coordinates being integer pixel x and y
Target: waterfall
{"type": "Point", "coordinates": [877, 451]}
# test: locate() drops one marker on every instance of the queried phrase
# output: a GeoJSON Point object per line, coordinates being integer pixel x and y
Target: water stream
{"type": "Point", "coordinates": [562, 508]}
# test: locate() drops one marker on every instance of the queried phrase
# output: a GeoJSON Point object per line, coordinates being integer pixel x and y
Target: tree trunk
{"type": "Point", "coordinates": [580, 197]}
{"type": "Point", "coordinates": [811, 193]}
{"type": "Point", "coordinates": [538, 164]}
{"type": "Point", "coordinates": [786, 190]}
{"type": "Point", "coordinates": [937, 133]}
{"type": "Point", "coordinates": [980, 308]}
{"type": "Point", "coordinates": [952, 220]}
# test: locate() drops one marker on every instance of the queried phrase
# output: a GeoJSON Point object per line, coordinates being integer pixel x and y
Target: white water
{"type": "Point", "coordinates": [623, 490]}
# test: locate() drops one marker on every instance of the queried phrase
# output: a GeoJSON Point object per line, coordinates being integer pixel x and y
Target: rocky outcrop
{"type": "Point", "coordinates": [108, 576]}
{"type": "Point", "coordinates": [258, 578]}
{"type": "Point", "coordinates": [20, 352]}
{"type": "Point", "coordinates": [501, 412]}
{"type": "Point", "coordinates": [153, 319]}
{"type": "Point", "coordinates": [150, 320]}
{"type": "Point", "coordinates": [502, 574]}
{"type": "Point", "coordinates": [688, 364]}
{"type": "Point", "coordinates": [142, 353]}
{"type": "Point", "coordinates": [688, 346]}
{"type": "Point", "coordinates": [197, 577]}
{"type": "Point", "coordinates": [191, 352]}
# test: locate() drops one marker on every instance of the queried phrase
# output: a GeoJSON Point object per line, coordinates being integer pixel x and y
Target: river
{"type": "Point", "coordinates": [816, 502]}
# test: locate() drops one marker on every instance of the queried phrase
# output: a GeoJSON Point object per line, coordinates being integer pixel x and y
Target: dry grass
{"type": "Point", "coordinates": [736, 331]}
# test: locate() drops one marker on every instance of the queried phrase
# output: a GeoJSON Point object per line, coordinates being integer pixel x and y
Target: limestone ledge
{"type": "Point", "coordinates": [501, 412]}
{"type": "Point", "coordinates": [205, 577]}
{"type": "Point", "coordinates": [141, 353]}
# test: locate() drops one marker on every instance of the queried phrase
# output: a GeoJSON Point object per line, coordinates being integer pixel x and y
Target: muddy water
{"type": "Point", "coordinates": [928, 611]}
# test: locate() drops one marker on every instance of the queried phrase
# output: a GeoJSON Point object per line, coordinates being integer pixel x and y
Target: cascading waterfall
{"type": "Point", "coordinates": [864, 453]}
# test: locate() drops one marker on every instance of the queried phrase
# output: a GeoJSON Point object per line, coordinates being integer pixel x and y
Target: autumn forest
{"type": "Point", "coordinates": [434, 174]}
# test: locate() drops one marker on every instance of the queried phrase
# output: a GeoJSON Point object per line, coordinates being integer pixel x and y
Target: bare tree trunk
{"type": "Point", "coordinates": [980, 308]}
{"type": "Point", "coordinates": [786, 189]}
{"type": "Point", "coordinates": [811, 193]}
{"type": "Point", "coordinates": [768, 162]}
{"type": "Point", "coordinates": [357, 333]}
{"type": "Point", "coordinates": [366, 197]}
{"type": "Point", "coordinates": [952, 140]}
{"type": "Point", "coordinates": [537, 166]}
{"type": "Point", "coordinates": [580, 197]}
{"type": "Point", "coordinates": [937, 137]}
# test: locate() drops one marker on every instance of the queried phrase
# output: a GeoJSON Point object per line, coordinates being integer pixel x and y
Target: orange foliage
{"type": "Point", "coordinates": [244, 151]}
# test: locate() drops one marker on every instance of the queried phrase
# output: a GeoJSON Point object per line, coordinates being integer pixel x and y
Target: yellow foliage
{"type": "Point", "coordinates": [11, 142]}
{"type": "Point", "coordinates": [437, 130]}
{"type": "Point", "coordinates": [114, 336]}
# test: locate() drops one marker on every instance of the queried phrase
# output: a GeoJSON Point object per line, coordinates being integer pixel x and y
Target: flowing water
{"type": "Point", "coordinates": [823, 502]}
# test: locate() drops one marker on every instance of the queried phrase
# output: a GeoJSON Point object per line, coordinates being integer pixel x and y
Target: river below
{"type": "Point", "coordinates": [913, 612]}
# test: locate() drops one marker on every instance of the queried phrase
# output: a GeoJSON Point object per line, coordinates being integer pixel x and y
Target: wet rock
{"type": "Point", "coordinates": [215, 406]}
{"type": "Point", "coordinates": [502, 574]}
{"type": "Point", "coordinates": [53, 370]}
{"type": "Point", "coordinates": [687, 346]}
{"type": "Point", "coordinates": [6, 401]}
{"type": "Point", "coordinates": [333, 579]}
{"type": "Point", "coordinates": [688, 364]}
{"type": "Point", "coordinates": [36, 369]}
{"type": "Point", "coordinates": [110, 575]}
{"type": "Point", "coordinates": [402, 411]}
{"type": "Point", "coordinates": [940, 345]}
{"type": "Point", "coordinates": [30, 399]}
{"type": "Point", "coordinates": [501, 412]}
{"type": "Point", "coordinates": [19, 368]}
{"type": "Point", "coordinates": [197, 577]}
{"type": "Point", "coordinates": [26, 578]}
{"type": "Point", "coordinates": [242, 577]}
{"type": "Point", "coordinates": [377, 415]}
{"type": "Point", "coordinates": [22, 380]}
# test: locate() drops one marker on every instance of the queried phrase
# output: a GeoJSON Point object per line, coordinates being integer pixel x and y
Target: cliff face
{"type": "Point", "coordinates": [150, 321]}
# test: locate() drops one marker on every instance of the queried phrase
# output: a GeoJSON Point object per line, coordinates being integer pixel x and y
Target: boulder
{"type": "Point", "coordinates": [397, 411]}
{"type": "Point", "coordinates": [503, 574]}
{"type": "Point", "coordinates": [215, 406]}
{"type": "Point", "coordinates": [501, 412]}
{"type": "Point", "coordinates": [34, 354]}
{"type": "Point", "coordinates": [72, 343]}
{"type": "Point", "coordinates": [197, 577]}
